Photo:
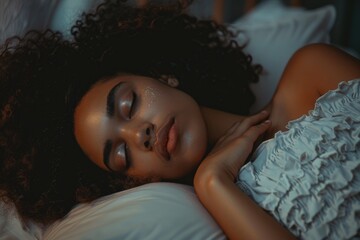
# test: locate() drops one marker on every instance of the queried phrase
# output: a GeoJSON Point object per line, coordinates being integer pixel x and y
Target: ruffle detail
{"type": "Point", "coordinates": [308, 177]}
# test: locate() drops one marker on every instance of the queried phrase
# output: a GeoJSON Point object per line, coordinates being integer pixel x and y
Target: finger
{"type": "Point", "coordinates": [245, 142]}
{"type": "Point", "coordinates": [228, 133]}
{"type": "Point", "coordinates": [233, 127]}
{"type": "Point", "coordinates": [249, 122]}
{"type": "Point", "coordinates": [254, 132]}
{"type": "Point", "coordinates": [231, 130]}
{"type": "Point", "coordinates": [238, 128]}
{"type": "Point", "coordinates": [255, 119]}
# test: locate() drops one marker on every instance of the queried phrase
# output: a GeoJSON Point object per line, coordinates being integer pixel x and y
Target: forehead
{"type": "Point", "coordinates": [102, 88]}
{"type": "Point", "coordinates": [92, 107]}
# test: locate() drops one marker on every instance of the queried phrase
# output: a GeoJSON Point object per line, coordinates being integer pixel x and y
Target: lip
{"type": "Point", "coordinates": [162, 138]}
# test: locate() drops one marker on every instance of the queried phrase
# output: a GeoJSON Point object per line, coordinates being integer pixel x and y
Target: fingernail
{"type": "Point", "coordinates": [264, 112]}
{"type": "Point", "coordinates": [267, 121]}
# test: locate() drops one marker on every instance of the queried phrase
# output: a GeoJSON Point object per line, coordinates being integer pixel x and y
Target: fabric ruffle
{"type": "Point", "coordinates": [308, 177]}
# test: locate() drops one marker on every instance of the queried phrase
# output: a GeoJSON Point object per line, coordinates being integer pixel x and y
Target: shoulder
{"type": "Point", "coordinates": [315, 69]}
{"type": "Point", "coordinates": [321, 67]}
{"type": "Point", "coordinates": [311, 72]}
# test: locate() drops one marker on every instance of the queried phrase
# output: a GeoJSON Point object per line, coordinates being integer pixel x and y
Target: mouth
{"type": "Point", "coordinates": [166, 139]}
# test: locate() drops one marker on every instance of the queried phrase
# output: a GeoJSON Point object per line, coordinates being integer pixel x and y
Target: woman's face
{"type": "Point", "coordinates": [141, 127]}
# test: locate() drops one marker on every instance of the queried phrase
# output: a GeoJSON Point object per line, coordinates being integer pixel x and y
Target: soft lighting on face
{"type": "Point", "coordinates": [94, 118]}
{"type": "Point", "coordinates": [150, 95]}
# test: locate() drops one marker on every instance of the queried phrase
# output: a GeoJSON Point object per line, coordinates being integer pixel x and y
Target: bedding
{"type": "Point", "coordinates": [19, 16]}
{"type": "Point", "coordinates": [105, 218]}
{"type": "Point", "coordinates": [273, 32]}
{"type": "Point", "coordinates": [151, 211]}
{"type": "Point", "coordinates": [308, 177]}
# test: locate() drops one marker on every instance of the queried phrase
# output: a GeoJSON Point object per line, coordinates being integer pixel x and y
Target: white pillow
{"type": "Point", "coordinates": [274, 32]}
{"type": "Point", "coordinates": [12, 227]}
{"type": "Point", "coordinates": [152, 211]}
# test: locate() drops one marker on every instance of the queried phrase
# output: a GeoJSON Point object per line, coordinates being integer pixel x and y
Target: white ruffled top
{"type": "Point", "coordinates": [308, 177]}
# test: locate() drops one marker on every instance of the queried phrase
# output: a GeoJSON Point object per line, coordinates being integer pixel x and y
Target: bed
{"type": "Point", "coordinates": [272, 31]}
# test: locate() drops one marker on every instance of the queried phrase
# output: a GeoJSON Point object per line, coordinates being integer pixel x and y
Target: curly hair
{"type": "Point", "coordinates": [43, 171]}
{"type": "Point", "coordinates": [43, 77]}
{"type": "Point", "coordinates": [162, 40]}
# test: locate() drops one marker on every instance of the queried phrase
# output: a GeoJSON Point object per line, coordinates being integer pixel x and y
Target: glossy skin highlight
{"type": "Point", "coordinates": [142, 108]}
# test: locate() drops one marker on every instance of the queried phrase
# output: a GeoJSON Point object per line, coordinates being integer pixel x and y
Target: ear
{"type": "Point", "coordinates": [169, 80]}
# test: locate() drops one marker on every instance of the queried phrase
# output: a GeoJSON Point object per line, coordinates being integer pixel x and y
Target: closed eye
{"type": "Point", "coordinates": [121, 161]}
{"type": "Point", "coordinates": [127, 156]}
{"type": "Point", "coordinates": [133, 105]}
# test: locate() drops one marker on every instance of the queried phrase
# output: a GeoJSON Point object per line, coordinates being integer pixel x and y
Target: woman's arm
{"type": "Point", "coordinates": [235, 212]}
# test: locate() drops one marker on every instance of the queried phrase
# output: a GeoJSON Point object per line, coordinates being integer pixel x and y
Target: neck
{"type": "Point", "coordinates": [218, 122]}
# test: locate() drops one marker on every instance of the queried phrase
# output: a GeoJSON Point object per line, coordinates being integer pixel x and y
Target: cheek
{"type": "Point", "coordinates": [151, 96]}
{"type": "Point", "coordinates": [195, 144]}
{"type": "Point", "coordinates": [144, 165]}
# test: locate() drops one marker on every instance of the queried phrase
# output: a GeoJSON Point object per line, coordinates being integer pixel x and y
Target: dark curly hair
{"type": "Point", "coordinates": [43, 77]}
{"type": "Point", "coordinates": [162, 40]}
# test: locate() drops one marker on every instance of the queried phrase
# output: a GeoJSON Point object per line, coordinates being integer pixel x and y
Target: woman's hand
{"type": "Point", "coordinates": [231, 150]}
{"type": "Point", "coordinates": [234, 211]}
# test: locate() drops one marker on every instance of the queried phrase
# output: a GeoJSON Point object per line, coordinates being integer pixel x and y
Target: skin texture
{"type": "Point", "coordinates": [235, 137]}
{"type": "Point", "coordinates": [136, 126]}
{"type": "Point", "coordinates": [158, 101]}
{"type": "Point", "coordinates": [311, 72]}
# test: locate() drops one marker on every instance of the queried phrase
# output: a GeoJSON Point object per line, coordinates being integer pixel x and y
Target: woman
{"type": "Point", "coordinates": [43, 78]}
{"type": "Point", "coordinates": [131, 119]}
{"type": "Point", "coordinates": [140, 127]}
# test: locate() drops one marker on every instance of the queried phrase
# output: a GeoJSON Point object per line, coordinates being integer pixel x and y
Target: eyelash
{"type": "Point", "coordinates": [132, 105]}
{"type": "Point", "coordinates": [126, 148]}
{"type": "Point", "coordinates": [127, 160]}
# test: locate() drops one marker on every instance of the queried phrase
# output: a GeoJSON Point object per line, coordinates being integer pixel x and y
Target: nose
{"type": "Point", "coordinates": [142, 135]}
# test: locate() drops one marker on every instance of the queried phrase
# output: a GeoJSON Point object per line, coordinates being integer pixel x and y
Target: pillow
{"type": "Point", "coordinates": [273, 33]}
{"type": "Point", "coordinates": [12, 227]}
{"type": "Point", "coordinates": [67, 12]}
{"type": "Point", "coordinates": [152, 211]}
{"type": "Point", "coordinates": [19, 16]}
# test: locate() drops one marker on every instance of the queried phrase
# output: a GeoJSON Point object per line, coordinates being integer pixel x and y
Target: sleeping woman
{"type": "Point", "coordinates": [152, 94]}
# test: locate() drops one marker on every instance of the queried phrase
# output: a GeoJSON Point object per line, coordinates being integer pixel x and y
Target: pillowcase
{"type": "Point", "coordinates": [12, 227]}
{"type": "Point", "coordinates": [19, 16]}
{"type": "Point", "coordinates": [152, 211]}
{"type": "Point", "coordinates": [273, 33]}
{"type": "Point", "coordinates": [67, 12]}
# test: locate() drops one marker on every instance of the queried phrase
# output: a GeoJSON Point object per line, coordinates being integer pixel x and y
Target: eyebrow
{"type": "Point", "coordinates": [110, 102]}
{"type": "Point", "coordinates": [106, 154]}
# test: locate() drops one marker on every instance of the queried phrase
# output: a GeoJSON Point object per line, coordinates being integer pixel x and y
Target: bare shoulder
{"type": "Point", "coordinates": [312, 71]}
{"type": "Point", "coordinates": [321, 67]}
